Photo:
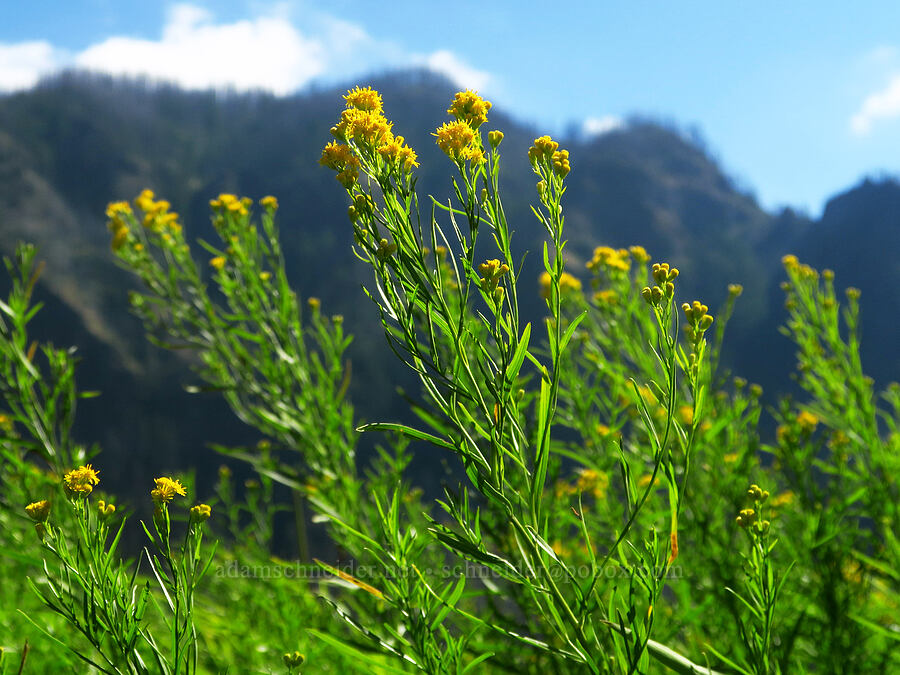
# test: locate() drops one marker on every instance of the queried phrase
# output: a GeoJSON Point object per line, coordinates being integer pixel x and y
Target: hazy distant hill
{"type": "Point", "coordinates": [77, 142]}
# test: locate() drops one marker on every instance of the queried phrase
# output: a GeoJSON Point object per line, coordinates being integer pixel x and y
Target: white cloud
{"type": "Point", "coordinates": [882, 105]}
{"type": "Point", "coordinates": [263, 53]}
{"type": "Point", "coordinates": [24, 63]}
{"type": "Point", "coordinates": [597, 126]}
{"type": "Point", "coordinates": [276, 50]}
{"type": "Point", "coordinates": [460, 73]}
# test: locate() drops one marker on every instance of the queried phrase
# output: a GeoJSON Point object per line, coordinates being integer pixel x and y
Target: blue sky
{"type": "Point", "coordinates": [797, 100]}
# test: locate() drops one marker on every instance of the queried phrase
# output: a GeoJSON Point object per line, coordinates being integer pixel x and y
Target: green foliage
{"type": "Point", "coordinates": [601, 521]}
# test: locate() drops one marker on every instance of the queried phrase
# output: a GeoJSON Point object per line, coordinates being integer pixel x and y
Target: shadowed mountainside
{"type": "Point", "coordinates": [78, 141]}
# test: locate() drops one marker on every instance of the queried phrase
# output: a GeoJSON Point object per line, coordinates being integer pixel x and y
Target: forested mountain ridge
{"type": "Point", "coordinates": [78, 141]}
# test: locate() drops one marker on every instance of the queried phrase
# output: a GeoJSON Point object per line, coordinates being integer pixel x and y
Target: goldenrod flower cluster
{"type": "Point", "coordinates": [166, 490]}
{"type": "Point", "coordinates": [364, 125]}
{"type": "Point", "coordinates": [385, 249]}
{"type": "Point", "coordinates": [80, 482]}
{"type": "Point", "coordinates": [639, 253]}
{"type": "Point", "coordinates": [38, 511]}
{"type": "Point", "coordinates": [807, 422]}
{"type": "Point", "coordinates": [664, 276]}
{"type": "Point", "coordinates": [458, 141]}
{"type": "Point", "coordinates": [793, 265]}
{"type": "Point", "coordinates": [491, 272]}
{"type": "Point", "coordinates": [105, 510]}
{"type": "Point", "coordinates": [749, 518]}
{"type": "Point", "coordinates": [217, 263]}
{"type": "Point", "coordinates": [545, 152]}
{"type": "Point", "coordinates": [365, 99]}
{"type": "Point", "coordinates": [340, 158]}
{"type": "Point", "coordinates": [157, 217]}
{"type": "Point", "coordinates": [606, 297]}
{"type": "Point", "coordinates": [470, 108]}
{"type": "Point", "coordinates": [229, 203]}
{"type": "Point", "coordinates": [396, 153]}
{"type": "Point", "coordinates": [200, 513]}
{"type": "Point", "coordinates": [567, 284]}
{"type": "Point", "coordinates": [593, 482]}
{"type": "Point", "coordinates": [699, 321]}
{"type": "Point", "coordinates": [269, 203]}
{"type": "Point", "coordinates": [367, 128]}
{"type": "Point", "coordinates": [117, 212]}
{"type": "Point", "coordinates": [609, 259]}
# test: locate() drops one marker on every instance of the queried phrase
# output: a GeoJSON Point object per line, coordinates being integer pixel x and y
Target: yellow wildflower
{"type": "Point", "coordinates": [38, 511]}
{"type": "Point", "coordinates": [686, 415]}
{"type": "Point", "coordinates": [314, 304]}
{"type": "Point", "coordinates": [117, 209]}
{"type": "Point", "coordinates": [473, 154]}
{"type": "Point", "coordinates": [337, 155]}
{"type": "Point", "coordinates": [200, 512]}
{"type": "Point", "coordinates": [610, 260]}
{"type": "Point", "coordinates": [470, 108]}
{"type": "Point", "coordinates": [639, 253]}
{"type": "Point", "coordinates": [606, 297]}
{"type": "Point", "coordinates": [364, 98]}
{"type": "Point", "coordinates": [644, 481]}
{"type": "Point", "coordinates": [367, 128]}
{"type": "Point", "coordinates": [807, 422]}
{"type": "Point", "coordinates": [105, 510]}
{"type": "Point", "coordinates": [561, 165]}
{"type": "Point", "coordinates": [567, 284]}
{"type": "Point", "coordinates": [453, 138]}
{"type": "Point", "coordinates": [790, 261]}
{"type": "Point", "coordinates": [269, 202]}
{"type": "Point", "coordinates": [491, 271]}
{"type": "Point", "coordinates": [396, 152]}
{"type": "Point", "coordinates": [542, 150]}
{"type": "Point", "coordinates": [595, 482]}
{"type": "Point", "coordinates": [783, 499]}
{"type": "Point", "coordinates": [218, 262]}
{"type": "Point", "coordinates": [348, 176]}
{"type": "Point", "coordinates": [166, 490]}
{"type": "Point", "coordinates": [730, 458]}
{"type": "Point", "coordinates": [144, 201]}
{"type": "Point", "coordinates": [81, 481]}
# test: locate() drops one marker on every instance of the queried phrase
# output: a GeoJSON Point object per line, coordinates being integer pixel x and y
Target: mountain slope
{"type": "Point", "coordinates": [79, 141]}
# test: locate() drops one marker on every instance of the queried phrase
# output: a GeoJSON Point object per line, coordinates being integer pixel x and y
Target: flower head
{"type": "Point", "coordinates": [105, 510]}
{"type": "Point", "coordinates": [80, 482]}
{"type": "Point", "coordinates": [200, 513]}
{"type": "Point", "coordinates": [567, 284]}
{"type": "Point", "coordinates": [337, 155]}
{"type": "Point", "coordinates": [470, 108]}
{"type": "Point", "coordinates": [397, 153]}
{"type": "Point", "coordinates": [609, 259]}
{"type": "Point", "coordinates": [38, 511]}
{"type": "Point", "coordinates": [166, 490]}
{"type": "Point", "coordinates": [542, 150]}
{"type": "Point", "coordinates": [454, 139]}
{"type": "Point", "coordinates": [364, 98]}
{"type": "Point", "coordinates": [367, 127]}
